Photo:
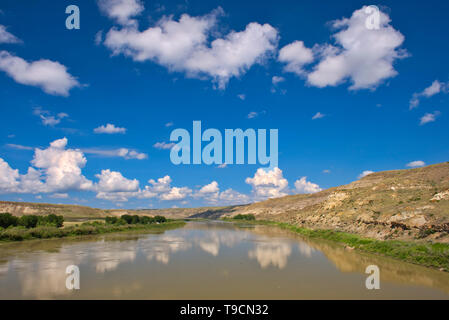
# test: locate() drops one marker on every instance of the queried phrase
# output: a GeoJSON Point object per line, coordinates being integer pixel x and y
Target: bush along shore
{"type": "Point", "coordinates": [29, 227]}
{"type": "Point", "coordinates": [435, 255]}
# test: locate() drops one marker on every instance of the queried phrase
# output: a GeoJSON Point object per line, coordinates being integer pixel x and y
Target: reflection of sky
{"type": "Point", "coordinates": [42, 274]}
{"type": "Point", "coordinates": [274, 253]}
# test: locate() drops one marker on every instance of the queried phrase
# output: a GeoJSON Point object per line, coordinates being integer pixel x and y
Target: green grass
{"type": "Point", "coordinates": [20, 233]}
{"type": "Point", "coordinates": [435, 255]}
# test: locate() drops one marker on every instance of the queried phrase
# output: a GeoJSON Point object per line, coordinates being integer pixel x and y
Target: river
{"type": "Point", "coordinates": [207, 260]}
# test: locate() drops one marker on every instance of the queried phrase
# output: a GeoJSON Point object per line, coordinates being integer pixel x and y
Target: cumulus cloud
{"type": "Point", "coordinates": [109, 129]}
{"type": "Point", "coordinates": [211, 193]}
{"type": "Point", "coordinates": [113, 181]}
{"type": "Point", "coordinates": [54, 170]}
{"type": "Point", "coordinates": [52, 77]}
{"type": "Point", "coordinates": [429, 117]}
{"type": "Point", "coordinates": [416, 164]}
{"type": "Point", "coordinates": [6, 37]}
{"type": "Point", "coordinates": [8, 177]}
{"type": "Point", "coordinates": [166, 192]}
{"type": "Point", "coordinates": [183, 45]}
{"type": "Point", "coordinates": [295, 55]}
{"type": "Point", "coordinates": [210, 188]}
{"type": "Point", "coordinates": [365, 173]}
{"type": "Point", "coordinates": [121, 10]}
{"type": "Point", "coordinates": [360, 55]}
{"type": "Point", "coordinates": [268, 183]}
{"type": "Point", "coordinates": [61, 167]}
{"type": "Point", "coordinates": [304, 186]}
{"type": "Point", "coordinates": [435, 88]}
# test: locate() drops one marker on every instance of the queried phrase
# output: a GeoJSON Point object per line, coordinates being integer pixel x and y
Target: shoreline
{"type": "Point", "coordinates": [431, 255]}
{"type": "Point", "coordinates": [87, 230]}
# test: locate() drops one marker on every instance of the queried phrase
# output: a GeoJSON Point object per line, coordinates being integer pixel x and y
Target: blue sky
{"type": "Point", "coordinates": [379, 97]}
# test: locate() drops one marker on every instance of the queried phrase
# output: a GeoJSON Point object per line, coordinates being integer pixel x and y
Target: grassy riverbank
{"type": "Point", "coordinates": [88, 228]}
{"type": "Point", "coordinates": [435, 255]}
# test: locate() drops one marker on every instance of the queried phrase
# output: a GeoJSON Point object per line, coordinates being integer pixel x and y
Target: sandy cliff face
{"type": "Point", "coordinates": [399, 204]}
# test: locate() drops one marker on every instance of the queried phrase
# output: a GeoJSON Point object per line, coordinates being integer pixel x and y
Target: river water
{"type": "Point", "coordinates": [207, 260]}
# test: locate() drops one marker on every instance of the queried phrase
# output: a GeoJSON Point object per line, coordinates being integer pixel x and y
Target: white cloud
{"type": "Point", "coordinates": [6, 37]}
{"type": "Point", "coordinates": [435, 88]}
{"type": "Point", "coordinates": [429, 117]}
{"type": "Point", "coordinates": [164, 145]}
{"type": "Point", "coordinates": [296, 56]}
{"type": "Point", "coordinates": [113, 181]}
{"type": "Point", "coordinates": [326, 171]}
{"type": "Point", "coordinates": [62, 167]}
{"type": "Point", "coordinates": [121, 152]}
{"type": "Point", "coordinates": [109, 129]}
{"type": "Point", "coordinates": [169, 124]}
{"type": "Point", "coordinates": [365, 173]}
{"type": "Point", "coordinates": [252, 115]}
{"type": "Point", "coordinates": [184, 46]}
{"type": "Point", "coordinates": [241, 96]}
{"type": "Point", "coordinates": [47, 118]}
{"type": "Point", "coordinates": [304, 186]}
{"type": "Point", "coordinates": [8, 177]}
{"type": "Point", "coordinates": [210, 188]}
{"type": "Point", "coordinates": [166, 192]}
{"type": "Point", "coordinates": [364, 57]}
{"type": "Point", "coordinates": [18, 146]}
{"type": "Point", "coordinates": [276, 79]}
{"type": "Point", "coordinates": [59, 196]}
{"type": "Point", "coordinates": [99, 37]}
{"type": "Point", "coordinates": [268, 183]}
{"type": "Point", "coordinates": [318, 115]}
{"type": "Point", "coordinates": [121, 10]}
{"type": "Point", "coordinates": [415, 164]}
{"type": "Point", "coordinates": [52, 77]}
{"type": "Point", "coordinates": [230, 196]}
{"type": "Point", "coordinates": [176, 193]}
{"type": "Point", "coordinates": [211, 194]}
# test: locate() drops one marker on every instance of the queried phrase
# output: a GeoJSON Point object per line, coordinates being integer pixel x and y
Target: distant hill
{"type": "Point", "coordinates": [402, 204]}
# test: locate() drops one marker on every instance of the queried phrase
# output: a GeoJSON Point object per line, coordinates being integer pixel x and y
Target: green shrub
{"type": "Point", "coordinates": [111, 220]}
{"type": "Point", "coordinates": [51, 220]}
{"type": "Point", "coordinates": [46, 232]}
{"type": "Point", "coordinates": [248, 217]}
{"type": "Point", "coordinates": [28, 221]}
{"type": "Point", "coordinates": [15, 234]}
{"type": "Point", "coordinates": [160, 219]}
{"type": "Point", "coordinates": [7, 219]}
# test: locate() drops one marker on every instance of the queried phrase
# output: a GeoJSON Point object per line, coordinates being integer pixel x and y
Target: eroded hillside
{"type": "Point", "coordinates": [402, 204]}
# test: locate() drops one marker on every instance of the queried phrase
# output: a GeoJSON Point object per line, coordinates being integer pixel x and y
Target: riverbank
{"type": "Point", "coordinates": [434, 255]}
{"type": "Point", "coordinates": [88, 228]}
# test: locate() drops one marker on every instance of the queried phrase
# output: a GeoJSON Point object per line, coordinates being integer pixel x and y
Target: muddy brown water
{"type": "Point", "coordinates": [207, 260]}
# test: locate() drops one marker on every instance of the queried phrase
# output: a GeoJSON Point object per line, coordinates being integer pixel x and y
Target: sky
{"type": "Point", "coordinates": [86, 114]}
